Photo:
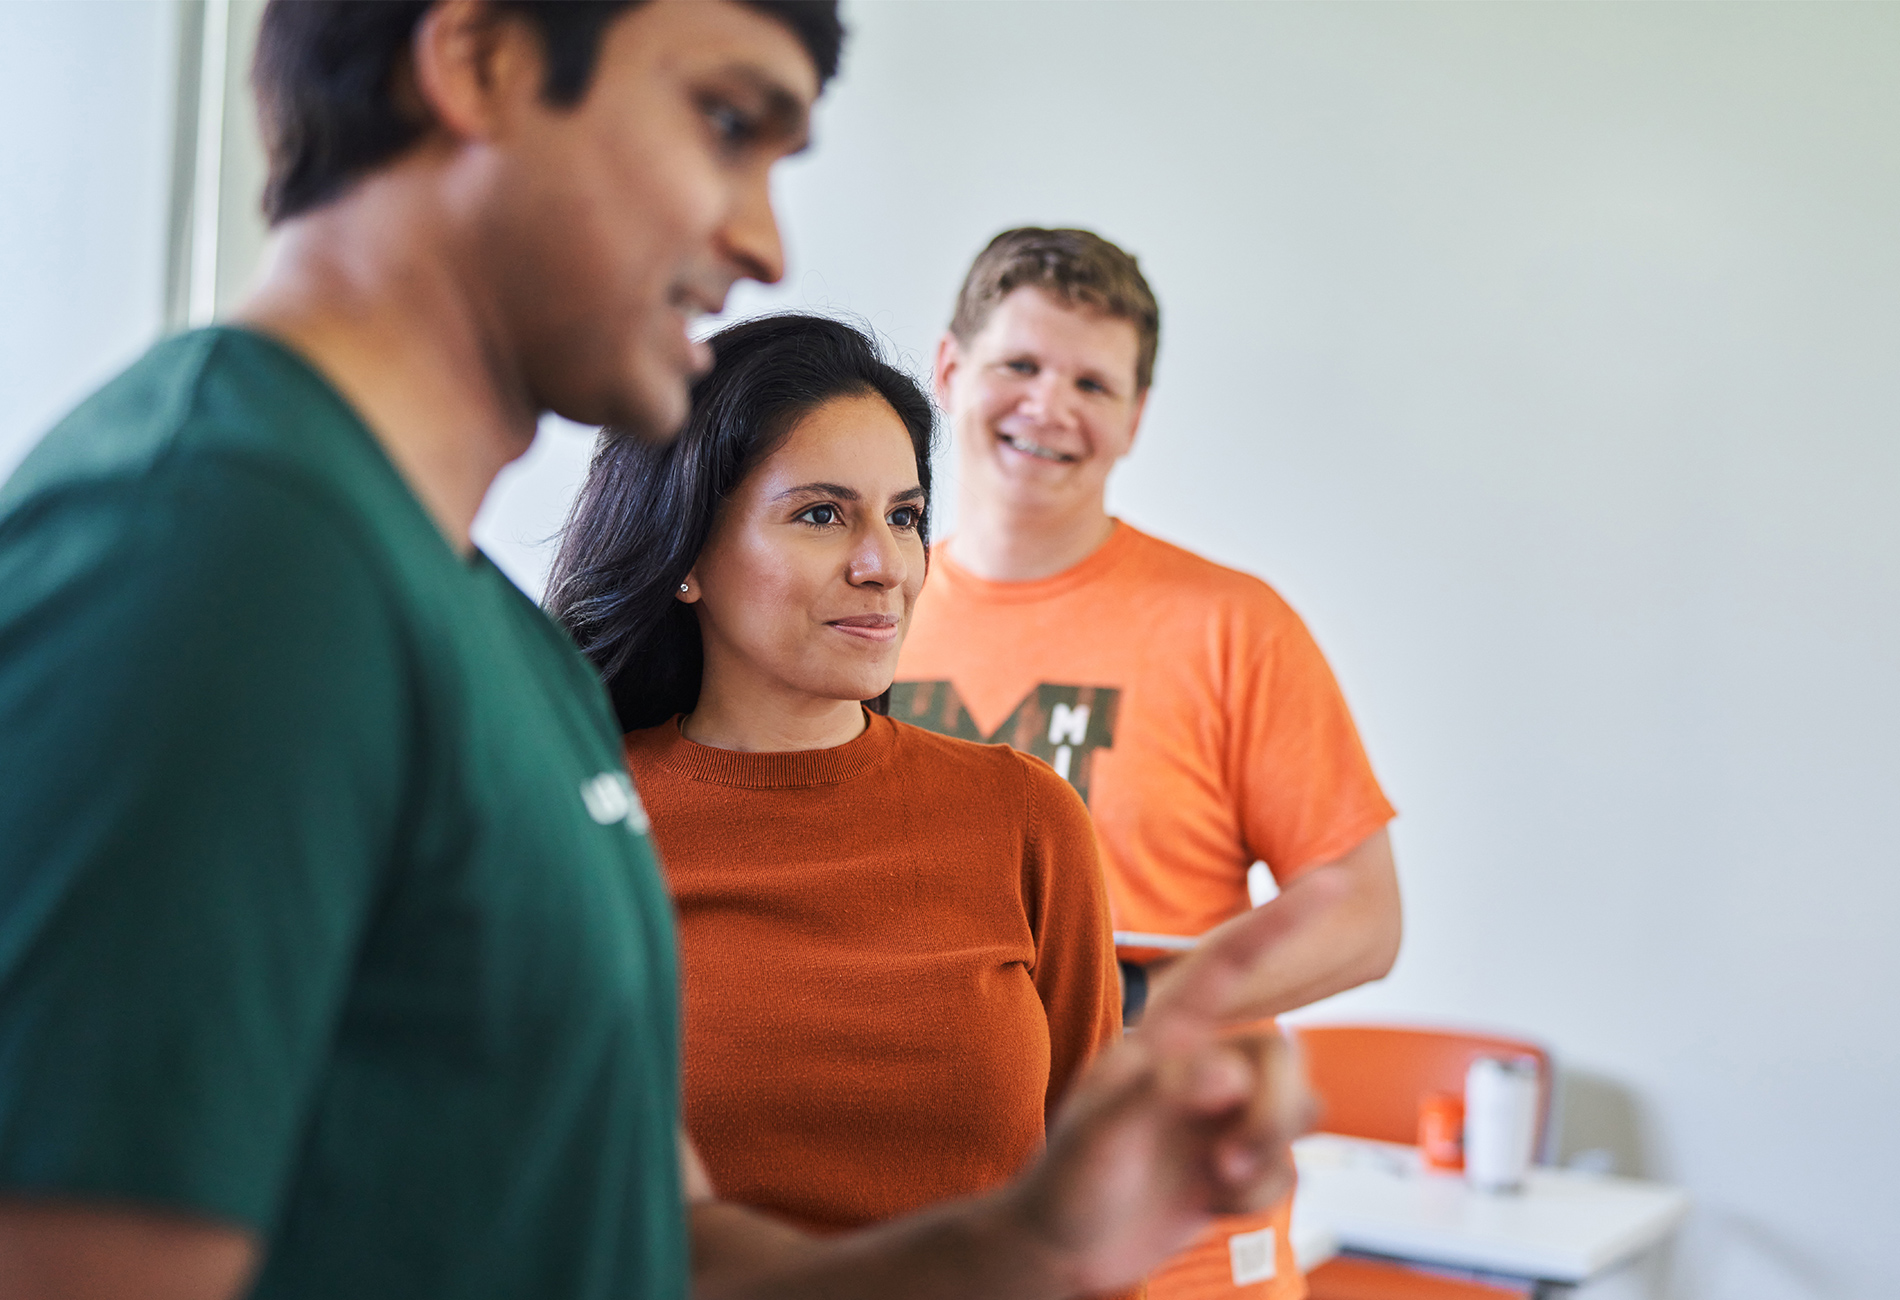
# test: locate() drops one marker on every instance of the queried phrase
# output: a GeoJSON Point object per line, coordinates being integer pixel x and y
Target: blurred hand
{"type": "Point", "coordinates": [1190, 1118]}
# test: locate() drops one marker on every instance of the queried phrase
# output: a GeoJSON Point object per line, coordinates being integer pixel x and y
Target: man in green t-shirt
{"type": "Point", "coordinates": [333, 957]}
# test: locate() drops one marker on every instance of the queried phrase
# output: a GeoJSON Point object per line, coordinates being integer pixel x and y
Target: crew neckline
{"type": "Point", "coordinates": [783, 770]}
{"type": "Point", "coordinates": [1121, 539]}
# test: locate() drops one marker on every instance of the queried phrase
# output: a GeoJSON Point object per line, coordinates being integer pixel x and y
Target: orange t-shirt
{"type": "Point", "coordinates": [1190, 707]}
{"type": "Point", "coordinates": [895, 956]}
{"type": "Point", "coordinates": [1186, 703]}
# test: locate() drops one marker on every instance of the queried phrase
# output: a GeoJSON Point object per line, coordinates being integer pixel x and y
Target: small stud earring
{"type": "Point", "coordinates": [684, 589]}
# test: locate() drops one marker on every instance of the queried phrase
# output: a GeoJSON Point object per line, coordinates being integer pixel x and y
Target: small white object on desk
{"type": "Point", "coordinates": [1500, 1122]}
{"type": "Point", "coordinates": [1563, 1227]}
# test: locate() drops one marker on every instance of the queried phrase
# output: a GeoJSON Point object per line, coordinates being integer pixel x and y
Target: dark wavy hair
{"type": "Point", "coordinates": [325, 77]}
{"type": "Point", "coordinates": [646, 509]}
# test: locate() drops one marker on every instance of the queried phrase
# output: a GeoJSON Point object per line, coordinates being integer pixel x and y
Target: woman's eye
{"type": "Point", "coordinates": [906, 517]}
{"type": "Point", "coordinates": [820, 515]}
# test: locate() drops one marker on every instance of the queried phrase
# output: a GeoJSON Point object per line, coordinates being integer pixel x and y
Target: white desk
{"type": "Point", "coordinates": [1314, 1242]}
{"type": "Point", "coordinates": [1563, 1227]}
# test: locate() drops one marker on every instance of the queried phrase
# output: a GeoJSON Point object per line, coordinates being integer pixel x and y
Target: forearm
{"type": "Point", "coordinates": [1336, 926]}
{"type": "Point", "coordinates": [1337, 939]}
{"type": "Point", "coordinates": [733, 1246]}
{"type": "Point", "coordinates": [977, 1247]}
{"type": "Point", "coordinates": [985, 1246]}
{"type": "Point", "coordinates": [75, 1250]}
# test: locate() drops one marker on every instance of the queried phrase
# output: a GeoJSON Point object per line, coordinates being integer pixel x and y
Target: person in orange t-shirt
{"type": "Point", "coordinates": [895, 946]}
{"type": "Point", "coordinates": [1186, 702]}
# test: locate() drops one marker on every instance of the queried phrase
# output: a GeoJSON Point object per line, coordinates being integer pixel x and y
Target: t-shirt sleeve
{"type": "Point", "coordinates": [1075, 973]}
{"type": "Point", "coordinates": [1307, 790]}
{"type": "Point", "coordinates": [206, 715]}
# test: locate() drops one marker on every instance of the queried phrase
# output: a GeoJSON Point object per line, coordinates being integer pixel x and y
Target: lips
{"type": "Point", "coordinates": [692, 304]}
{"type": "Point", "coordinates": [868, 627]}
{"type": "Point", "coordinates": [1036, 449]}
{"type": "Point", "coordinates": [695, 300]}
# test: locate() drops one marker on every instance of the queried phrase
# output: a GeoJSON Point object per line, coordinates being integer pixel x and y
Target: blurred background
{"type": "Point", "coordinates": [1546, 356]}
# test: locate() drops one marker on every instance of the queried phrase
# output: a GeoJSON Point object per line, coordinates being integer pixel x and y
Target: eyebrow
{"type": "Point", "coordinates": [790, 116]}
{"type": "Point", "coordinates": [843, 493]}
{"type": "Point", "coordinates": [786, 115]}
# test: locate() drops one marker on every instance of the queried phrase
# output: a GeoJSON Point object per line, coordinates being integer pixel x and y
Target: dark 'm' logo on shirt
{"type": "Point", "coordinates": [1061, 725]}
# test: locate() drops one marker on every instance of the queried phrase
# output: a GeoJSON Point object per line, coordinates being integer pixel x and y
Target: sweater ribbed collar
{"type": "Point", "coordinates": [804, 767]}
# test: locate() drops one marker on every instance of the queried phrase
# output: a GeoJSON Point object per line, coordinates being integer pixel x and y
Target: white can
{"type": "Point", "coordinates": [1500, 1122]}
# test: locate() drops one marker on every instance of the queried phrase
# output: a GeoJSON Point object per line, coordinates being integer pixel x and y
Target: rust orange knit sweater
{"type": "Point", "coordinates": [895, 956]}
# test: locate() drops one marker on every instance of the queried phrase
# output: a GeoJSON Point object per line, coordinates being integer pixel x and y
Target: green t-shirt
{"type": "Point", "coordinates": [325, 907]}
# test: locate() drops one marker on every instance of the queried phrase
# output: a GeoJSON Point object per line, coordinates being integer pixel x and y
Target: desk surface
{"type": "Point", "coordinates": [1314, 1242]}
{"type": "Point", "coordinates": [1563, 1227]}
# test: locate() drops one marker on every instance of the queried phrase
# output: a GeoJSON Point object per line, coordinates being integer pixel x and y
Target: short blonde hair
{"type": "Point", "coordinates": [1077, 266]}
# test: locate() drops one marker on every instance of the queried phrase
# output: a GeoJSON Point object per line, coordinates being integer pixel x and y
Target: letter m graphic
{"type": "Point", "coordinates": [1062, 725]}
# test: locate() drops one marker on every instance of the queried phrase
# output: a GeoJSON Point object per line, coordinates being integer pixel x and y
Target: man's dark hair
{"type": "Point", "coordinates": [646, 509]}
{"type": "Point", "coordinates": [327, 79]}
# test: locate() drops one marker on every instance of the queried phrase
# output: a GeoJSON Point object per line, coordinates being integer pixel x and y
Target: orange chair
{"type": "Point", "coordinates": [1370, 1080]}
{"type": "Point", "coordinates": [1348, 1278]}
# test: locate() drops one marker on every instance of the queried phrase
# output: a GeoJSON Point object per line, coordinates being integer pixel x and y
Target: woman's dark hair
{"type": "Point", "coordinates": [325, 76]}
{"type": "Point", "coordinates": [646, 509]}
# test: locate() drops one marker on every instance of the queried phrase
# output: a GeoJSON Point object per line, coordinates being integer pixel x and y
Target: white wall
{"type": "Point", "coordinates": [85, 141]}
{"type": "Point", "coordinates": [1548, 358]}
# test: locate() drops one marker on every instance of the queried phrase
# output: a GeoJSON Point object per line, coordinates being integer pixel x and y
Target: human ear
{"type": "Point", "coordinates": [949, 357]}
{"type": "Point", "coordinates": [688, 590]}
{"type": "Point", "coordinates": [466, 61]}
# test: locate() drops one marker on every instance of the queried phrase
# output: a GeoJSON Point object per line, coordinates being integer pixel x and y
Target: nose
{"type": "Point", "coordinates": [1048, 399]}
{"type": "Point", "coordinates": [878, 559]}
{"type": "Point", "coordinates": [751, 235]}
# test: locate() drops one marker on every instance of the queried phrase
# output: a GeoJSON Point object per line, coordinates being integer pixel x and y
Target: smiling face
{"type": "Point", "coordinates": [805, 586]}
{"type": "Point", "coordinates": [605, 229]}
{"type": "Point", "coordinates": [1043, 402]}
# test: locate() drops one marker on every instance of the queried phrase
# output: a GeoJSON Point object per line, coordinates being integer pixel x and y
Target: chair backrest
{"type": "Point", "coordinates": [1370, 1078]}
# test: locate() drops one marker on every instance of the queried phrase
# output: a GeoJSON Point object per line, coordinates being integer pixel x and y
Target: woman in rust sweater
{"type": "Point", "coordinates": [896, 945]}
